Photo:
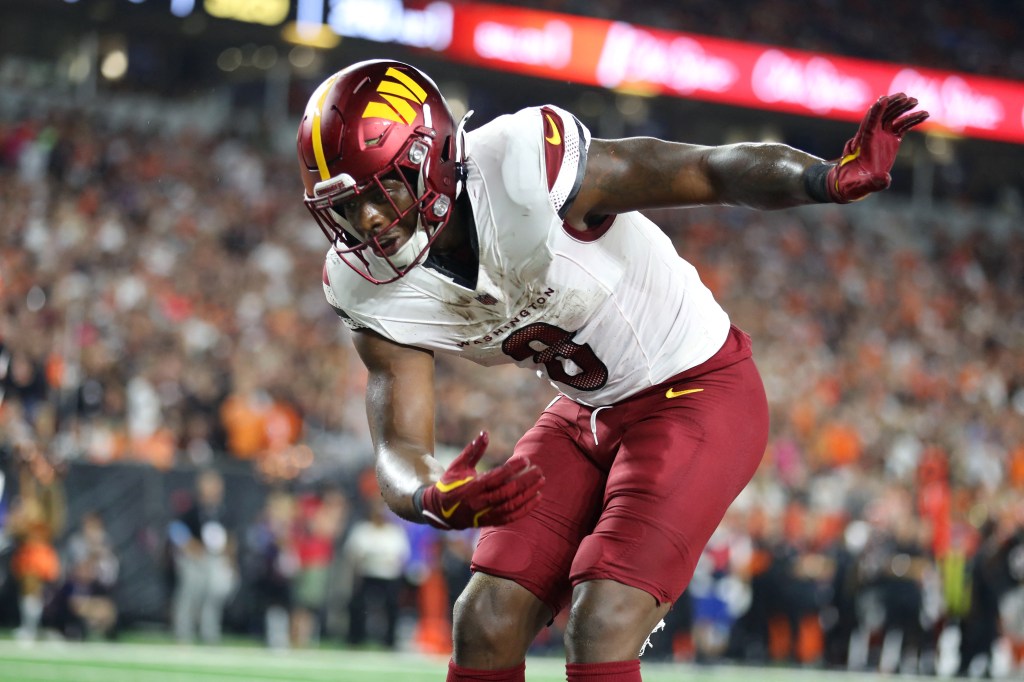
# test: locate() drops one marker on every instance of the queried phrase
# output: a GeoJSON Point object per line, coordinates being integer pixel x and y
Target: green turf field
{"type": "Point", "coordinates": [64, 662]}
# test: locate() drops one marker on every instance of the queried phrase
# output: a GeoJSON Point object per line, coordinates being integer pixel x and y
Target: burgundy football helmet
{"type": "Point", "coordinates": [372, 121]}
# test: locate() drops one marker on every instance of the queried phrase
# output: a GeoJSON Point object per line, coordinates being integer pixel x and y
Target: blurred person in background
{"type": "Point", "coordinates": [1011, 606]}
{"type": "Point", "coordinates": [891, 573]}
{"type": "Point", "coordinates": [90, 541]}
{"type": "Point", "coordinates": [270, 541]}
{"type": "Point", "coordinates": [377, 549]}
{"type": "Point", "coordinates": [34, 522]}
{"type": "Point", "coordinates": [84, 604]}
{"type": "Point", "coordinates": [203, 548]}
{"type": "Point", "coordinates": [979, 627]}
{"type": "Point", "coordinates": [321, 519]}
{"type": "Point", "coordinates": [522, 242]}
{"type": "Point", "coordinates": [22, 378]}
{"type": "Point", "coordinates": [1007, 573]}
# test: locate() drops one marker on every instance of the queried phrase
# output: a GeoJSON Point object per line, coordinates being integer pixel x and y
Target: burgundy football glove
{"type": "Point", "coordinates": [464, 499]}
{"type": "Point", "coordinates": [869, 156]}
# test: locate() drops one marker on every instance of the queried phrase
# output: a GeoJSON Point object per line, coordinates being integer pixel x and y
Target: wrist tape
{"type": "Point", "coordinates": [816, 182]}
{"type": "Point", "coordinates": [417, 499]}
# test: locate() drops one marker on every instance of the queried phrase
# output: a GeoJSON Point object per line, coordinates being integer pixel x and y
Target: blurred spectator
{"type": "Point", "coordinates": [839, 616]}
{"type": "Point", "coordinates": [22, 378]}
{"type": "Point", "coordinates": [244, 416]}
{"type": "Point", "coordinates": [716, 594]}
{"type": "Point", "coordinates": [270, 539]}
{"type": "Point", "coordinates": [980, 627]}
{"type": "Point", "coordinates": [378, 549]}
{"type": "Point", "coordinates": [204, 562]}
{"type": "Point", "coordinates": [1011, 580]}
{"type": "Point", "coordinates": [90, 542]}
{"type": "Point", "coordinates": [320, 522]}
{"type": "Point", "coordinates": [35, 520]}
{"type": "Point", "coordinates": [83, 605]}
{"type": "Point", "coordinates": [892, 571]}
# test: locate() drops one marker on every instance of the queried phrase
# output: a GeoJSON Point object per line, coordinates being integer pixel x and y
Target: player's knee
{"type": "Point", "coordinates": [489, 631]}
{"type": "Point", "coordinates": [473, 625]}
{"type": "Point", "coordinates": [609, 622]}
{"type": "Point", "coordinates": [592, 630]}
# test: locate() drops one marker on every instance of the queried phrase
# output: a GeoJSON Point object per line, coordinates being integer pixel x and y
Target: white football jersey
{"type": "Point", "coordinates": [603, 314]}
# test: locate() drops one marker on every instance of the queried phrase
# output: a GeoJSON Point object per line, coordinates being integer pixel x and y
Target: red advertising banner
{"type": "Point", "coordinates": [623, 56]}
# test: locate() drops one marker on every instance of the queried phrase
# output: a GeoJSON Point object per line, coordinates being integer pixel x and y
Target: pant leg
{"type": "Point", "coordinates": [188, 596]}
{"type": "Point", "coordinates": [357, 613]}
{"type": "Point", "coordinates": [392, 590]}
{"type": "Point", "coordinates": [219, 584]}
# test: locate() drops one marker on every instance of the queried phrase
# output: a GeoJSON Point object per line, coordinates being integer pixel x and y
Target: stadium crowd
{"type": "Point", "coordinates": [162, 306]}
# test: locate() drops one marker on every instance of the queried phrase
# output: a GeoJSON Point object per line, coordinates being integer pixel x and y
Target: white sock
{"type": "Point", "coordinates": [31, 612]}
{"type": "Point", "coordinates": [276, 620]}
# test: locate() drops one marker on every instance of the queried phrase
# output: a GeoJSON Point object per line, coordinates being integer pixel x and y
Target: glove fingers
{"type": "Point", "coordinates": [511, 489]}
{"type": "Point", "coordinates": [499, 475]}
{"type": "Point", "coordinates": [898, 108]}
{"type": "Point", "coordinates": [896, 99]}
{"type": "Point", "coordinates": [529, 483]}
{"type": "Point", "coordinates": [871, 119]}
{"type": "Point", "coordinates": [869, 123]}
{"type": "Point", "coordinates": [520, 499]}
{"type": "Point", "coordinates": [902, 126]}
{"type": "Point", "coordinates": [495, 517]}
{"type": "Point", "coordinates": [471, 454]}
{"type": "Point", "coordinates": [506, 505]}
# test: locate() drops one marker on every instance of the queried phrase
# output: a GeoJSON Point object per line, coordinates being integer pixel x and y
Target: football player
{"type": "Point", "coordinates": [522, 241]}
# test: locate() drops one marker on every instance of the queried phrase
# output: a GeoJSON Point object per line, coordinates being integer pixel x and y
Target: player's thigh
{"type": "Point", "coordinates": [673, 478]}
{"type": "Point", "coordinates": [537, 551]}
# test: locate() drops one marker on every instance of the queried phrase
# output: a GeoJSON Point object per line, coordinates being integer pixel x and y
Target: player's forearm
{"type": "Point", "coordinates": [401, 419]}
{"type": "Point", "coordinates": [764, 175]}
{"type": "Point", "coordinates": [401, 472]}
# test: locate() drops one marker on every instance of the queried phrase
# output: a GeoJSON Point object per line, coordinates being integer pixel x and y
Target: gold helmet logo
{"type": "Point", "coordinates": [399, 95]}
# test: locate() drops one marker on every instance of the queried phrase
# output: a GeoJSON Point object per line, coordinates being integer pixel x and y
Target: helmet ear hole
{"type": "Point", "coordinates": [446, 149]}
{"type": "Point", "coordinates": [410, 175]}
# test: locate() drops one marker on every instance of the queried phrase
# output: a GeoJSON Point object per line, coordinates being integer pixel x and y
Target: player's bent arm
{"type": "Point", "coordinates": [643, 172]}
{"type": "Point", "coordinates": [400, 406]}
{"type": "Point", "coordinates": [400, 411]}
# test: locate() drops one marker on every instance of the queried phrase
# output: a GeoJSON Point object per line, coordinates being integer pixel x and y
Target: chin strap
{"type": "Point", "coordinates": [442, 205]}
{"type": "Point", "coordinates": [411, 249]}
{"type": "Point", "coordinates": [461, 150]}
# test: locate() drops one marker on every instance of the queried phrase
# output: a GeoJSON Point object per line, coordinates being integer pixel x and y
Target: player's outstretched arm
{"type": "Point", "coordinates": [637, 173]}
{"type": "Point", "coordinates": [400, 405]}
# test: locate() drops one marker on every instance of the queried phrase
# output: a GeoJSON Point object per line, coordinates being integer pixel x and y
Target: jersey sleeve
{"type": "Point", "coordinates": [565, 144]}
{"type": "Point", "coordinates": [332, 300]}
{"type": "Point", "coordinates": [542, 153]}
